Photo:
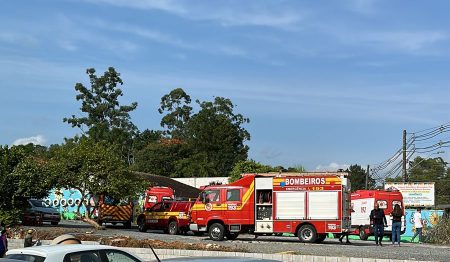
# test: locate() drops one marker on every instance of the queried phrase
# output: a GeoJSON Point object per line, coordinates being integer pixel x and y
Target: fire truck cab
{"type": "Point", "coordinates": [308, 205]}
{"type": "Point", "coordinates": [155, 194]}
{"type": "Point", "coordinates": [364, 201]}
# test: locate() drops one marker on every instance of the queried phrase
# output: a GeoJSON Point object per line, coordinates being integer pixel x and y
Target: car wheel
{"type": "Point", "coordinates": [362, 234]}
{"type": "Point", "coordinates": [216, 232]}
{"type": "Point", "coordinates": [141, 225]}
{"type": "Point", "coordinates": [307, 234]}
{"type": "Point", "coordinates": [173, 227]}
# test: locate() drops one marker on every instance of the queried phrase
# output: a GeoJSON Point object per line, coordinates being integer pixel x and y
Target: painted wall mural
{"type": "Point", "coordinates": [67, 201]}
{"type": "Point", "coordinates": [430, 219]}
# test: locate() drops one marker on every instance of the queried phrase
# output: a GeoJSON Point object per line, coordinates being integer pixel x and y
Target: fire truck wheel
{"type": "Point", "coordinates": [141, 225]}
{"type": "Point", "coordinates": [307, 234]}
{"type": "Point", "coordinates": [321, 238]}
{"type": "Point", "coordinates": [216, 232]}
{"type": "Point", "coordinates": [232, 236]}
{"type": "Point", "coordinates": [173, 227]}
{"type": "Point", "coordinates": [362, 234]}
{"type": "Point", "coordinates": [127, 225]}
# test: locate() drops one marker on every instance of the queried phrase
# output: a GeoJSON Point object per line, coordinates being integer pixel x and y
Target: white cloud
{"type": "Point", "coordinates": [398, 41]}
{"type": "Point", "coordinates": [332, 167]}
{"type": "Point", "coordinates": [225, 15]}
{"type": "Point", "coordinates": [37, 140]}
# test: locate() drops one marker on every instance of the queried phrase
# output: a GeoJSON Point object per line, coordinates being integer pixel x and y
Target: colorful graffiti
{"type": "Point", "coordinates": [430, 219]}
{"type": "Point", "coordinates": [67, 201]}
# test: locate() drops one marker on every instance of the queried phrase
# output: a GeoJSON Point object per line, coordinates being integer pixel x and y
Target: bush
{"type": "Point", "coordinates": [10, 217]}
{"type": "Point", "coordinates": [439, 234]}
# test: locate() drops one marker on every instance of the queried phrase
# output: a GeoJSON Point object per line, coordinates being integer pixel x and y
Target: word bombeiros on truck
{"type": "Point", "coordinates": [308, 205]}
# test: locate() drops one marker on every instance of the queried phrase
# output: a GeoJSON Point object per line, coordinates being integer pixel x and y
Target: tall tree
{"type": "Point", "coordinates": [105, 119]}
{"type": "Point", "coordinates": [216, 136]}
{"type": "Point", "coordinates": [176, 105]}
{"type": "Point", "coordinates": [358, 178]}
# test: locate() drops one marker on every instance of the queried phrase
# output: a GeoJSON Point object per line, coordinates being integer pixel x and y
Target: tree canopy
{"type": "Point", "coordinates": [358, 178]}
{"type": "Point", "coordinates": [104, 118]}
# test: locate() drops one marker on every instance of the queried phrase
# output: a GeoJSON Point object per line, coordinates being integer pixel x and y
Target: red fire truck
{"type": "Point", "coordinates": [363, 201]}
{"type": "Point", "coordinates": [169, 216]}
{"type": "Point", "coordinates": [309, 205]}
{"type": "Point", "coordinates": [155, 194]}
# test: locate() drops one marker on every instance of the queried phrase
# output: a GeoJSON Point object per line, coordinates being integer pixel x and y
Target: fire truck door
{"type": "Point", "coordinates": [233, 206]}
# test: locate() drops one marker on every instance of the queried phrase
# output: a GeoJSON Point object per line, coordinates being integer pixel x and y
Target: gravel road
{"type": "Point", "coordinates": [270, 244]}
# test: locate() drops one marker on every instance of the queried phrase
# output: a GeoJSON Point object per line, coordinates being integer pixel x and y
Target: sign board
{"type": "Point", "coordinates": [420, 194]}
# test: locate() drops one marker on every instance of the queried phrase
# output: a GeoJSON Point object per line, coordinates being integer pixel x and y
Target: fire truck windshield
{"type": "Point", "coordinates": [210, 196]}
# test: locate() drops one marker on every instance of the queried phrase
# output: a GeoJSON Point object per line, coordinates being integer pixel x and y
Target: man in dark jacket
{"type": "Point", "coordinates": [378, 220]}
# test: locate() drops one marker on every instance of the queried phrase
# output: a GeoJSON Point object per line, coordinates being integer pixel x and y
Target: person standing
{"type": "Point", "coordinates": [396, 223]}
{"type": "Point", "coordinates": [418, 224]}
{"type": "Point", "coordinates": [3, 242]}
{"type": "Point", "coordinates": [378, 220]}
{"type": "Point", "coordinates": [28, 240]}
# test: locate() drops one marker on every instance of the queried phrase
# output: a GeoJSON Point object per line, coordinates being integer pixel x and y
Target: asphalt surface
{"type": "Point", "coordinates": [272, 244]}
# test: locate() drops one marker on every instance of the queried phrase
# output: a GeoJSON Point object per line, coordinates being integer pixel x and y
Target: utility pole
{"type": "Point", "coordinates": [367, 177]}
{"type": "Point", "coordinates": [405, 175]}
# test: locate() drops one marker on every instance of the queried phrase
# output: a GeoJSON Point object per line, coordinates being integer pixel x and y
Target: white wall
{"type": "Point", "coordinates": [201, 181]}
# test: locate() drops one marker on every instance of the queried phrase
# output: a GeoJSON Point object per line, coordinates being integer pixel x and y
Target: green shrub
{"type": "Point", "coordinates": [10, 217]}
{"type": "Point", "coordinates": [439, 234]}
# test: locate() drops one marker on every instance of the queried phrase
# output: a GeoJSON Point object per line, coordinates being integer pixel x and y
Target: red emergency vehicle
{"type": "Point", "coordinates": [364, 201]}
{"type": "Point", "coordinates": [309, 205]}
{"type": "Point", "coordinates": [157, 194]}
{"type": "Point", "coordinates": [169, 216]}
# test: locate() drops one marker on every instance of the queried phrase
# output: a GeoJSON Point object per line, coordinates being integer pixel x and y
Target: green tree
{"type": "Point", "coordinates": [24, 173]}
{"type": "Point", "coordinates": [94, 168]}
{"type": "Point", "coordinates": [432, 170]}
{"type": "Point", "coordinates": [358, 178]}
{"type": "Point", "coordinates": [105, 119]}
{"type": "Point", "coordinates": [159, 157]}
{"type": "Point", "coordinates": [249, 166]}
{"type": "Point", "coordinates": [216, 136]}
{"type": "Point", "coordinates": [176, 105]}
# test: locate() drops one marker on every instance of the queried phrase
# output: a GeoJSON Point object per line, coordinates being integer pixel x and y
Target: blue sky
{"type": "Point", "coordinates": [325, 84]}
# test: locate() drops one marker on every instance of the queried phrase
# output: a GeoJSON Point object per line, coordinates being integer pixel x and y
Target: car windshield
{"type": "Point", "coordinates": [37, 202]}
{"type": "Point", "coordinates": [26, 257]}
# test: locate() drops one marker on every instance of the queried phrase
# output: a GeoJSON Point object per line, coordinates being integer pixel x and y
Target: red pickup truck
{"type": "Point", "coordinates": [169, 216]}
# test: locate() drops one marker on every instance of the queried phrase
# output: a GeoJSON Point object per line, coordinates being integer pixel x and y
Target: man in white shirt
{"type": "Point", "coordinates": [418, 224]}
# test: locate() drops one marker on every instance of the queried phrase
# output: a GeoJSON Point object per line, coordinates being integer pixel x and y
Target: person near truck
{"type": "Point", "coordinates": [396, 223]}
{"type": "Point", "coordinates": [378, 221]}
{"type": "Point", "coordinates": [418, 224]}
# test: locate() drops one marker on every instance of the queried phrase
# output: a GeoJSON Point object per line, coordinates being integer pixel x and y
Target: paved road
{"type": "Point", "coordinates": [270, 244]}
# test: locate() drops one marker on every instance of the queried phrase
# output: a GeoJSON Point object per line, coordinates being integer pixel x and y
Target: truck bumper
{"type": "Point", "coordinates": [196, 228]}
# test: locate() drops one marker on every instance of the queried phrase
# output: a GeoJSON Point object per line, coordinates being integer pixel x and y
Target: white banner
{"type": "Point", "coordinates": [420, 194]}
